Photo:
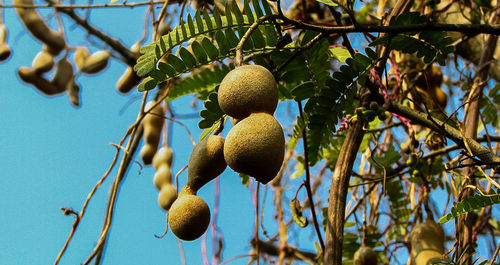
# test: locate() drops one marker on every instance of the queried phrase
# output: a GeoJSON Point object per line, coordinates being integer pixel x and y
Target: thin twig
{"type": "Point", "coordinates": [239, 47]}
{"type": "Point", "coordinates": [131, 5]}
{"type": "Point", "coordinates": [308, 182]}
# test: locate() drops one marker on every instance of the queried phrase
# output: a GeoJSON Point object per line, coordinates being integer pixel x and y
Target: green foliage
{"type": "Point", "coordinates": [212, 112]}
{"type": "Point", "coordinates": [204, 80]}
{"type": "Point", "coordinates": [221, 45]}
{"type": "Point", "coordinates": [431, 45]}
{"type": "Point", "coordinates": [475, 202]}
{"type": "Point", "coordinates": [398, 198]}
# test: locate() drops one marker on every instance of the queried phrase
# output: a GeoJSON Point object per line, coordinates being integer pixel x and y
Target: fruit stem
{"type": "Point", "coordinates": [307, 182]}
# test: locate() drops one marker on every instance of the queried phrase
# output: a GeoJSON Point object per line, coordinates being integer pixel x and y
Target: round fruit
{"type": "Point", "coordinates": [248, 89]}
{"type": "Point", "coordinates": [256, 146]}
{"type": "Point", "coordinates": [206, 161]}
{"type": "Point", "coordinates": [164, 156]}
{"type": "Point", "coordinates": [162, 177]}
{"type": "Point", "coordinates": [427, 242]}
{"type": "Point", "coordinates": [167, 196]}
{"type": "Point", "coordinates": [189, 217]}
{"type": "Point", "coordinates": [147, 153]}
{"type": "Point", "coordinates": [365, 256]}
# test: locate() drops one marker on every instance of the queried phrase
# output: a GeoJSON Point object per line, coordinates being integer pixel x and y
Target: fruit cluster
{"type": "Point", "coordinates": [162, 162]}
{"type": "Point", "coordinates": [189, 215]}
{"type": "Point", "coordinates": [255, 145]}
{"type": "Point", "coordinates": [152, 123]}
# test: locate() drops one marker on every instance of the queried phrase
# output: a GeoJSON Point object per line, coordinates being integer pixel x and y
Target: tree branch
{"type": "Point", "coordinates": [115, 44]}
{"type": "Point", "coordinates": [483, 153]}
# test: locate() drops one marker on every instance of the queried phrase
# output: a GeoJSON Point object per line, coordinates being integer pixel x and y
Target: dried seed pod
{"type": "Point", "coordinates": [5, 52]}
{"type": "Point", "coordinates": [365, 256]}
{"type": "Point", "coordinates": [164, 156]}
{"type": "Point", "coordinates": [248, 89]}
{"type": "Point", "coordinates": [427, 242]}
{"type": "Point", "coordinates": [73, 90]}
{"type": "Point", "coordinates": [64, 74]}
{"type": "Point", "coordinates": [38, 28]}
{"type": "Point", "coordinates": [167, 196]}
{"type": "Point", "coordinates": [128, 81]}
{"type": "Point", "coordinates": [206, 161]}
{"type": "Point", "coordinates": [4, 48]}
{"type": "Point", "coordinates": [256, 146]}
{"type": "Point", "coordinates": [129, 78]}
{"type": "Point", "coordinates": [188, 217]}
{"type": "Point", "coordinates": [3, 34]}
{"type": "Point", "coordinates": [81, 55]}
{"type": "Point", "coordinates": [162, 177]}
{"type": "Point", "coordinates": [43, 62]}
{"type": "Point", "coordinates": [96, 62]}
{"type": "Point", "coordinates": [153, 123]}
{"type": "Point", "coordinates": [43, 85]}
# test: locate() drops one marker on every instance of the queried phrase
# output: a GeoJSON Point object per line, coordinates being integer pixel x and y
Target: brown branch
{"type": "Point", "coordinates": [466, 222]}
{"type": "Point", "coordinates": [290, 251]}
{"type": "Point", "coordinates": [115, 44]}
{"type": "Point", "coordinates": [131, 5]}
{"type": "Point", "coordinates": [483, 153]}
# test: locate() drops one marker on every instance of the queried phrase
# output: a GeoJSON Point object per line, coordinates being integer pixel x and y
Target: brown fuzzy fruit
{"type": "Point", "coordinates": [81, 55]}
{"type": "Point", "coordinates": [43, 62]}
{"type": "Point", "coordinates": [129, 78]}
{"type": "Point", "coordinates": [167, 196]}
{"type": "Point", "coordinates": [96, 62]}
{"type": "Point", "coordinates": [147, 153]}
{"type": "Point", "coordinates": [36, 25]}
{"type": "Point", "coordinates": [206, 161]}
{"type": "Point", "coordinates": [43, 85]}
{"type": "Point", "coordinates": [365, 256]}
{"type": "Point", "coordinates": [248, 89]}
{"type": "Point", "coordinates": [427, 242]}
{"type": "Point", "coordinates": [5, 52]}
{"type": "Point", "coordinates": [64, 74]}
{"type": "Point", "coordinates": [162, 177]}
{"type": "Point", "coordinates": [189, 217]}
{"type": "Point", "coordinates": [256, 146]}
{"type": "Point", "coordinates": [164, 156]}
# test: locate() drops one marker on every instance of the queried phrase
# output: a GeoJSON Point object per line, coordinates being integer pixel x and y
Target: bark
{"type": "Point", "coordinates": [466, 222]}
{"type": "Point", "coordinates": [338, 194]}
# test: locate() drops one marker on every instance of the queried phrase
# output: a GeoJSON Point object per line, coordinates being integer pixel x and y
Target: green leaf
{"type": "Point", "coordinates": [176, 63]}
{"type": "Point", "coordinates": [191, 24]}
{"type": "Point", "coordinates": [475, 202]}
{"type": "Point", "coordinates": [187, 57]}
{"type": "Point", "coordinates": [237, 13]}
{"type": "Point", "coordinates": [222, 42]}
{"type": "Point", "coordinates": [340, 53]}
{"type": "Point", "coordinates": [211, 113]}
{"type": "Point", "coordinates": [248, 12]}
{"type": "Point", "coordinates": [210, 48]}
{"type": "Point", "coordinates": [199, 22]}
{"type": "Point", "coordinates": [199, 52]}
{"type": "Point", "coordinates": [327, 2]}
{"type": "Point", "coordinates": [303, 91]}
{"type": "Point", "coordinates": [258, 39]}
{"type": "Point", "coordinates": [257, 9]}
{"type": "Point", "coordinates": [206, 18]}
{"type": "Point", "coordinates": [166, 68]}
{"type": "Point", "coordinates": [147, 83]}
